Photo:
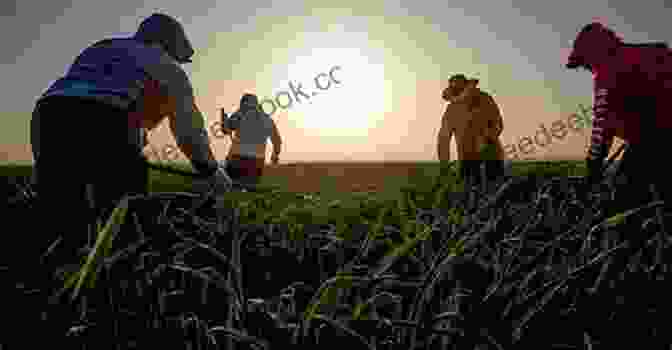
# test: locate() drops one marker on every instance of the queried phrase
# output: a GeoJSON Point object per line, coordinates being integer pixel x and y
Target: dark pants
{"type": "Point", "coordinates": [642, 167]}
{"type": "Point", "coordinates": [244, 169]}
{"type": "Point", "coordinates": [494, 169]}
{"type": "Point", "coordinates": [471, 170]}
{"type": "Point", "coordinates": [82, 142]}
{"type": "Point", "coordinates": [645, 163]}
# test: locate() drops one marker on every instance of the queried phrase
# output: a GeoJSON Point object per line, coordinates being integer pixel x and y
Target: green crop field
{"type": "Point", "coordinates": [424, 264]}
{"type": "Point", "coordinates": [166, 182]}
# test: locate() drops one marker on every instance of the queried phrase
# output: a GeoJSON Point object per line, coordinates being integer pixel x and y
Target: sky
{"type": "Point", "coordinates": [391, 60]}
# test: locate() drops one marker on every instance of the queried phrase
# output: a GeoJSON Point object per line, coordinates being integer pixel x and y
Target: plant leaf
{"type": "Point", "coordinates": [400, 250]}
{"type": "Point", "coordinates": [103, 241]}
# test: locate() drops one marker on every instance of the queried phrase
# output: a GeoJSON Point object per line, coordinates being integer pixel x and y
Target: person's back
{"type": "Point", "coordinates": [455, 119]}
{"type": "Point", "coordinates": [477, 122]}
{"type": "Point", "coordinates": [252, 131]}
{"type": "Point", "coordinates": [251, 128]}
{"type": "Point", "coordinates": [639, 82]}
{"type": "Point", "coordinates": [488, 124]}
{"type": "Point", "coordinates": [125, 60]}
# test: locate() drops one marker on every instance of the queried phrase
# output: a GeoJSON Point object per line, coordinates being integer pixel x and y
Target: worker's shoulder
{"type": "Point", "coordinates": [484, 97]}
{"type": "Point", "coordinates": [649, 45]}
{"type": "Point", "coordinates": [639, 63]}
{"type": "Point", "coordinates": [483, 94]}
{"type": "Point", "coordinates": [140, 51]}
{"type": "Point", "coordinates": [646, 54]}
{"type": "Point", "coordinates": [658, 56]}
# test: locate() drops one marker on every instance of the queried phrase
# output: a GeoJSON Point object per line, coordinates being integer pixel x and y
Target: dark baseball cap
{"type": "Point", "coordinates": [573, 63]}
{"type": "Point", "coordinates": [590, 37]}
{"type": "Point", "coordinates": [170, 33]}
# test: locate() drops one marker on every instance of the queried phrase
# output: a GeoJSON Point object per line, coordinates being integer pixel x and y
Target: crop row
{"type": "Point", "coordinates": [529, 262]}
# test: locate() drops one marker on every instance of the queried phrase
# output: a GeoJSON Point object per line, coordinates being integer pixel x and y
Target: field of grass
{"type": "Point", "coordinates": [166, 182]}
{"type": "Point", "coordinates": [423, 264]}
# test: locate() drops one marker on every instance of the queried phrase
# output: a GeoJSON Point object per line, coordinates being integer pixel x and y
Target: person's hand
{"type": "Point", "coordinates": [488, 150]}
{"type": "Point", "coordinates": [594, 166]}
{"type": "Point", "coordinates": [221, 180]}
{"type": "Point", "coordinates": [145, 140]}
{"type": "Point", "coordinates": [489, 135]}
{"type": "Point", "coordinates": [275, 158]}
{"type": "Point", "coordinates": [446, 94]}
{"type": "Point", "coordinates": [497, 132]}
{"type": "Point", "coordinates": [33, 178]}
{"type": "Point", "coordinates": [591, 183]}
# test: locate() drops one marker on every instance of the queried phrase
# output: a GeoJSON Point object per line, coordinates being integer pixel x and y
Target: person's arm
{"type": "Point", "coordinates": [232, 123]}
{"type": "Point", "coordinates": [276, 139]}
{"type": "Point", "coordinates": [446, 94]}
{"type": "Point", "coordinates": [224, 119]}
{"type": "Point", "coordinates": [145, 139]}
{"type": "Point", "coordinates": [488, 110]}
{"type": "Point", "coordinates": [443, 142]}
{"type": "Point", "coordinates": [187, 123]}
{"type": "Point", "coordinates": [602, 138]}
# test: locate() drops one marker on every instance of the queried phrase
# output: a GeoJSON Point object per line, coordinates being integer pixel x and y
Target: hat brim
{"type": "Point", "coordinates": [574, 62]}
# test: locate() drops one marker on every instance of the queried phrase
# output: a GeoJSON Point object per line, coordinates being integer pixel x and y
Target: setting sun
{"type": "Point", "coordinates": [347, 97]}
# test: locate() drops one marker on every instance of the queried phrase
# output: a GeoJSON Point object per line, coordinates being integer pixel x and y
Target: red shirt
{"type": "Point", "coordinates": [637, 83]}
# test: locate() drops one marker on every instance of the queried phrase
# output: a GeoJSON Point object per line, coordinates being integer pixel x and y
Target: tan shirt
{"type": "Point", "coordinates": [475, 114]}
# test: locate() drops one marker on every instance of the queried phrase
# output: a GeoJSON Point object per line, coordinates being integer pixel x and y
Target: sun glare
{"type": "Point", "coordinates": [354, 101]}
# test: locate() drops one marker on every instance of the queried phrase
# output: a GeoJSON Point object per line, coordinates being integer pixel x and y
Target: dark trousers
{"type": "Point", "coordinates": [642, 165]}
{"type": "Point", "coordinates": [471, 170]}
{"type": "Point", "coordinates": [82, 142]}
{"type": "Point", "coordinates": [244, 169]}
{"type": "Point", "coordinates": [645, 163]}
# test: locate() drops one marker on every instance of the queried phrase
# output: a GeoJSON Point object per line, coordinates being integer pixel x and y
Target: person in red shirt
{"type": "Point", "coordinates": [632, 91]}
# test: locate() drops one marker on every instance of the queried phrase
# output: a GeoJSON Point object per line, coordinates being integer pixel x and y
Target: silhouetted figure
{"type": "Point", "coordinates": [632, 90]}
{"type": "Point", "coordinates": [88, 128]}
{"type": "Point", "coordinates": [250, 128]}
{"type": "Point", "coordinates": [474, 118]}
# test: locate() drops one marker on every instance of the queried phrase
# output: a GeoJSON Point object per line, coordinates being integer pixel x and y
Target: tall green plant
{"type": "Point", "coordinates": [89, 271]}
